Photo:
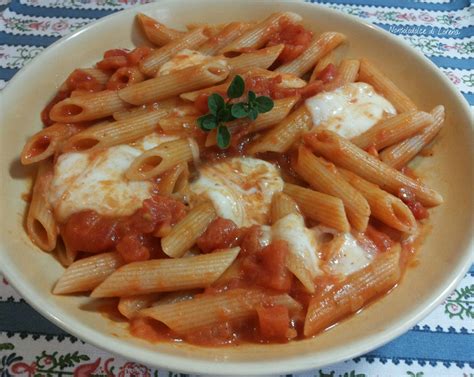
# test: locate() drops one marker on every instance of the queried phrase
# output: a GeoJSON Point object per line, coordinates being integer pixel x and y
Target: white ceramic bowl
{"type": "Point", "coordinates": [444, 257]}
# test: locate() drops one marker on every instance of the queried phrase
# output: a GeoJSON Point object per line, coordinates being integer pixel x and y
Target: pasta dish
{"type": "Point", "coordinates": [238, 182]}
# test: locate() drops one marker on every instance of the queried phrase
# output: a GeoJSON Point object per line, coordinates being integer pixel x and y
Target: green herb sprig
{"type": "Point", "coordinates": [221, 111]}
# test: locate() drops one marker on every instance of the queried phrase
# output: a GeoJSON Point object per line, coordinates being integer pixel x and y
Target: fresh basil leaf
{"type": "Point", "coordinates": [207, 122]}
{"type": "Point", "coordinates": [239, 110]}
{"type": "Point", "coordinates": [236, 87]}
{"type": "Point", "coordinates": [264, 104]}
{"type": "Point", "coordinates": [253, 113]}
{"type": "Point", "coordinates": [215, 102]}
{"type": "Point", "coordinates": [223, 137]}
{"type": "Point", "coordinates": [252, 96]}
{"type": "Point", "coordinates": [225, 114]}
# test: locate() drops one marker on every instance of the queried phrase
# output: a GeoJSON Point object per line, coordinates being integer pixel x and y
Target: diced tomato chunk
{"type": "Point", "coordinates": [327, 74]}
{"type": "Point", "coordinates": [136, 55]}
{"type": "Point", "coordinates": [274, 322]}
{"type": "Point", "coordinates": [115, 52]}
{"type": "Point", "coordinates": [201, 103]}
{"type": "Point", "coordinates": [112, 63]}
{"type": "Point", "coordinates": [409, 198]}
{"type": "Point", "coordinates": [273, 261]}
{"type": "Point", "coordinates": [220, 234]}
{"type": "Point", "coordinates": [381, 240]}
{"type": "Point", "coordinates": [131, 249]}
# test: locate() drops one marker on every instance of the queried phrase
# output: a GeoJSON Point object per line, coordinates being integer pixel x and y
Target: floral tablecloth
{"type": "Point", "coordinates": [440, 345]}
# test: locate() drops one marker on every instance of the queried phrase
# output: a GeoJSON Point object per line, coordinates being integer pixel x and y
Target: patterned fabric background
{"type": "Point", "coordinates": [440, 345]}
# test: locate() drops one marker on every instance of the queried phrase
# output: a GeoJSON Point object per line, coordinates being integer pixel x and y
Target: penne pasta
{"type": "Point", "coordinates": [174, 180]}
{"type": "Point", "coordinates": [47, 142]}
{"type": "Point", "coordinates": [347, 155]}
{"type": "Point", "coordinates": [40, 223]}
{"type": "Point", "coordinates": [356, 290]}
{"type": "Point", "coordinates": [317, 206]}
{"type": "Point", "coordinates": [165, 275]}
{"type": "Point", "coordinates": [323, 177]}
{"type": "Point", "coordinates": [189, 40]}
{"type": "Point", "coordinates": [258, 35]}
{"type": "Point", "coordinates": [114, 133]}
{"type": "Point", "coordinates": [179, 125]}
{"type": "Point", "coordinates": [167, 104]}
{"type": "Point", "coordinates": [400, 154]}
{"type": "Point", "coordinates": [282, 136]}
{"type": "Point", "coordinates": [319, 47]}
{"type": "Point", "coordinates": [87, 273]}
{"type": "Point", "coordinates": [124, 77]}
{"type": "Point", "coordinates": [207, 310]}
{"type": "Point", "coordinates": [280, 111]}
{"type": "Point", "coordinates": [87, 107]}
{"type": "Point", "coordinates": [229, 33]}
{"type": "Point", "coordinates": [174, 83]}
{"type": "Point", "coordinates": [131, 305]}
{"type": "Point", "coordinates": [346, 73]}
{"type": "Point", "coordinates": [282, 205]}
{"type": "Point", "coordinates": [370, 74]}
{"type": "Point", "coordinates": [383, 206]}
{"type": "Point", "coordinates": [184, 234]}
{"type": "Point", "coordinates": [393, 130]}
{"type": "Point", "coordinates": [333, 57]}
{"type": "Point", "coordinates": [157, 160]}
{"type": "Point", "coordinates": [156, 32]}
{"type": "Point", "coordinates": [262, 58]}
{"type": "Point", "coordinates": [97, 74]}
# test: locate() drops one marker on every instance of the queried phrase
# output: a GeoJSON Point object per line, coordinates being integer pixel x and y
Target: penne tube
{"type": "Point", "coordinates": [281, 109]}
{"type": "Point", "coordinates": [165, 275]}
{"type": "Point", "coordinates": [189, 40]}
{"type": "Point", "coordinates": [323, 177]}
{"type": "Point", "coordinates": [400, 154]}
{"type": "Point", "coordinates": [347, 155]}
{"type": "Point", "coordinates": [282, 136]}
{"type": "Point", "coordinates": [208, 310]}
{"type": "Point", "coordinates": [156, 161]}
{"type": "Point", "coordinates": [346, 73]}
{"type": "Point", "coordinates": [357, 289]}
{"type": "Point", "coordinates": [393, 130]}
{"type": "Point", "coordinates": [125, 76]}
{"type": "Point", "coordinates": [181, 125]}
{"type": "Point", "coordinates": [370, 74]}
{"type": "Point", "coordinates": [184, 234]}
{"type": "Point", "coordinates": [326, 209]}
{"type": "Point", "coordinates": [174, 83]}
{"type": "Point", "coordinates": [87, 107]}
{"type": "Point", "coordinates": [40, 223]}
{"type": "Point", "coordinates": [97, 74]}
{"type": "Point", "coordinates": [87, 273]}
{"type": "Point", "coordinates": [156, 32]}
{"type": "Point", "coordinates": [228, 34]}
{"type": "Point", "coordinates": [168, 104]}
{"type": "Point", "coordinates": [333, 57]}
{"type": "Point", "coordinates": [131, 305]}
{"type": "Point", "coordinates": [65, 255]}
{"type": "Point", "coordinates": [258, 35]}
{"type": "Point", "coordinates": [46, 142]}
{"type": "Point", "coordinates": [262, 58]}
{"type": "Point", "coordinates": [319, 47]}
{"type": "Point", "coordinates": [383, 206]}
{"type": "Point", "coordinates": [114, 133]}
{"type": "Point", "coordinates": [174, 180]}
{"type": "Point", "coordinates": [282, 205]}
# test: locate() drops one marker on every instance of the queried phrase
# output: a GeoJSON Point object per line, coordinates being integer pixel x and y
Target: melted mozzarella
{"type": "Point", "coordinates": [349, 257]}
{"type": "Point", "coordinates": [183, 59]}
{"type": "Point", "coordinates": [241, 189]}
{"type": "Point", "coordinates": [349, 110]}
{"type": "Point", "coordinates": [95, 180]}
{"type": "Point", "coordinates": [301, 241]}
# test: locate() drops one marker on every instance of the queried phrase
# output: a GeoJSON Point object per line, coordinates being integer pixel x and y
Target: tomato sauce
{"type": "Point", "coordinates": [118, 58]}
{"type": "Point", "coordinates": [89, 232]}
{"type": "Point", "coordinates": [409, 198]}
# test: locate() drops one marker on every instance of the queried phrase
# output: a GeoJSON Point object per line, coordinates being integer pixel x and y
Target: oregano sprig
{"type": "Point", "coordinates": [221, 111]}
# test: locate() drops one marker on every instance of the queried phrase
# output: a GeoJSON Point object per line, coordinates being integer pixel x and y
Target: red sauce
{"type": "Point", "coordinates": [270, 86]}
{"type": "Point", "coordinates": [118, 58]}
{"type": "Point", "coordinates": [381, 240]}
{"type": "Point", "coordinates": [295, 38]}
{"type": "Point", "coordinates": [327, 74]}
{"type": "Point", "coordinates": [274, 323]}
{"type": "Point", "coordinates": [220, 234]}
{"type": "Point", "coordinates": [90, 232]}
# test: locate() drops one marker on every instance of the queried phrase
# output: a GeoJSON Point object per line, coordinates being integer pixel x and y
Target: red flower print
{"type": "Point", "coordinates": [85, 370]}
{"type": "Point", "coordinates": [133, 370]}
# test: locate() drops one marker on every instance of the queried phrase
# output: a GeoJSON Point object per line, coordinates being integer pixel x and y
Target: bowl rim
{"type": "Point", "coordinates": [178, 363]}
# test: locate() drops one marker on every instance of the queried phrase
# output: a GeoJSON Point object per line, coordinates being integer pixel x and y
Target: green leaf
{"type": "Point", "coordinates": [253, 113]}
{"type": "Point", "coordinates": [252, 96]}
{"type": "Point", "coordinates": [225, 114]}
{"type": "Point", "coordinates": [236, 87]}
{"type": "Point", "coordinates": [215, 102]}
{"type": "Point", "coordinates": [264, 104]}
{"type": "Point", "coordinates": [239, 110]}
{"type": "Point", "coordinates": [207, 122]}
{"type": "Point", "coordinates": [223, 137]}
